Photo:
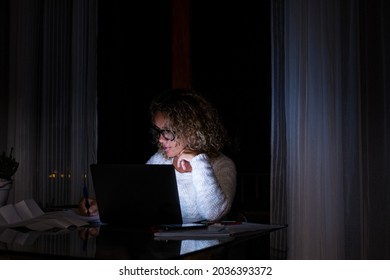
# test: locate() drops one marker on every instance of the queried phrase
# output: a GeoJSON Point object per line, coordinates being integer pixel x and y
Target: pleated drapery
{"type": "Point", "coordinates": [52, 98]}
{"type": "Point", "coordinates": [330, 129]}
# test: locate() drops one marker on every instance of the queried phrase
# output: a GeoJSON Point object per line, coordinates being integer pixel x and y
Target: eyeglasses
{"type": "Point", "coordinates": [166, 133]}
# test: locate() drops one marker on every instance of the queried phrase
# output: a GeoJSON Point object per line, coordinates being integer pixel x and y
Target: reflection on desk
{"type": "Point", "coordinates": [109, 242]}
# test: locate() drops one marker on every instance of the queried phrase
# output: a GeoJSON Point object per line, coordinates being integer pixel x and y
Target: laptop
{"type": "Point", "coordinates": [136, 195]}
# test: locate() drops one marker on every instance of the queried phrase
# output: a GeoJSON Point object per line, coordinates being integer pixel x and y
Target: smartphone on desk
{"type": "Point", "coordinates": [185, 226]}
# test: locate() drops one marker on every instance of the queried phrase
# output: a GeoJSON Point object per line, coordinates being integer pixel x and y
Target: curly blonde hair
{"type": "Point", "coordinates": [192, 118]}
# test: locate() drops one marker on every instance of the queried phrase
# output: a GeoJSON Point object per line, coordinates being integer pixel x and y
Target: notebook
{"type": "Point", "coordinates": [136, 195]}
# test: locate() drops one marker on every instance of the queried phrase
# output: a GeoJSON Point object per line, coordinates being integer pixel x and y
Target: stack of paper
{"type": "Point", "coordinates": [27, 213]}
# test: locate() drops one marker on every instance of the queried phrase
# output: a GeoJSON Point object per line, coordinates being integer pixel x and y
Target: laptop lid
{"type": "Point", "coordinates": [136, 194]}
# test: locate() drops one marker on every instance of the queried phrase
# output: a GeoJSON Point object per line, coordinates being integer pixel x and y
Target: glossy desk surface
{"type": "Point", "coordinates": [109, 242]}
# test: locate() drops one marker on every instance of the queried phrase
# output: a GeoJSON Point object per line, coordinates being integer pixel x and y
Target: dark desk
{"type": "Point", "coordinates": [125, 243]}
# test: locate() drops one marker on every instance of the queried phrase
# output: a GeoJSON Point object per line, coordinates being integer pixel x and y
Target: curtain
{"type": "Point", "coordinates": [330, 129]}
{"type": "Point", "coordinates": [52, 109]}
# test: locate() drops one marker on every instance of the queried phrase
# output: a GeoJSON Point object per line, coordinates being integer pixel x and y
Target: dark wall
{"type": "Point", "coordinates": [230, 46]}
{"type": "Point", "coordinates": [231, 53]}
{"type": "Point", "coordinates": [134, 63]}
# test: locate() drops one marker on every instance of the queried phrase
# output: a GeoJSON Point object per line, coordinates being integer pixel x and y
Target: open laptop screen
{"type": "Point", "coordinates": [136, 194]}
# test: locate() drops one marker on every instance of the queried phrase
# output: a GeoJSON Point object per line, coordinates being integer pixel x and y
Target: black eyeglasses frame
{"type": "Point", "coordinates": [157, 132]}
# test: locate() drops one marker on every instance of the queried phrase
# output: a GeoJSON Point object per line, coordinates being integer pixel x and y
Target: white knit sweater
{"type": "Point", "coordinates": [207, 192]}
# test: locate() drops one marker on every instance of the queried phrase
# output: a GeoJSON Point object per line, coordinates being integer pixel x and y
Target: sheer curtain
{"type": "Point", "coordinates": [330, 129]}
{"type": "Point", "coordinates": [52, 117]}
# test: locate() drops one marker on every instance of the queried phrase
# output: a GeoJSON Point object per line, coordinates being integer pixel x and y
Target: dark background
{"type": "Point", "coordinates": [230, 55]}
{"type": "Point", "coordinates": [230, 64]}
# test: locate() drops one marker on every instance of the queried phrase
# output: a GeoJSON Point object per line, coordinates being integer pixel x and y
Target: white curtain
{"type": "Point", "coordinates": [52, 111]}
{"type": "Point", "coordinates": [330, 174]}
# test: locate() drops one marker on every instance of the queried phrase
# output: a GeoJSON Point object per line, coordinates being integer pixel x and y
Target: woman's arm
{"type": "Point", "coordinates": [215, 185]}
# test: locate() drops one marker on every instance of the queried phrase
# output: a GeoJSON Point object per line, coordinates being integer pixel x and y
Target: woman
{"type": "Point", "coordinates": [190, 136]}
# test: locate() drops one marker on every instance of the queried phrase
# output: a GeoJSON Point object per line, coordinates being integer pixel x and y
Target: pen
{"type": "Point", "coordinates": [86, 197]}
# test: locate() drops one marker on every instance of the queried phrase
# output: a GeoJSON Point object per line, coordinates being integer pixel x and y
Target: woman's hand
{"type": "Point", "coordinates": [181, 162]}
{"type": "Point", "coordinates": [93, 209]}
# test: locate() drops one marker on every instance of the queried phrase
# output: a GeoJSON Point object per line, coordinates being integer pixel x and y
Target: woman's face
{"type": "Point", "coordinates": [171, 148]}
